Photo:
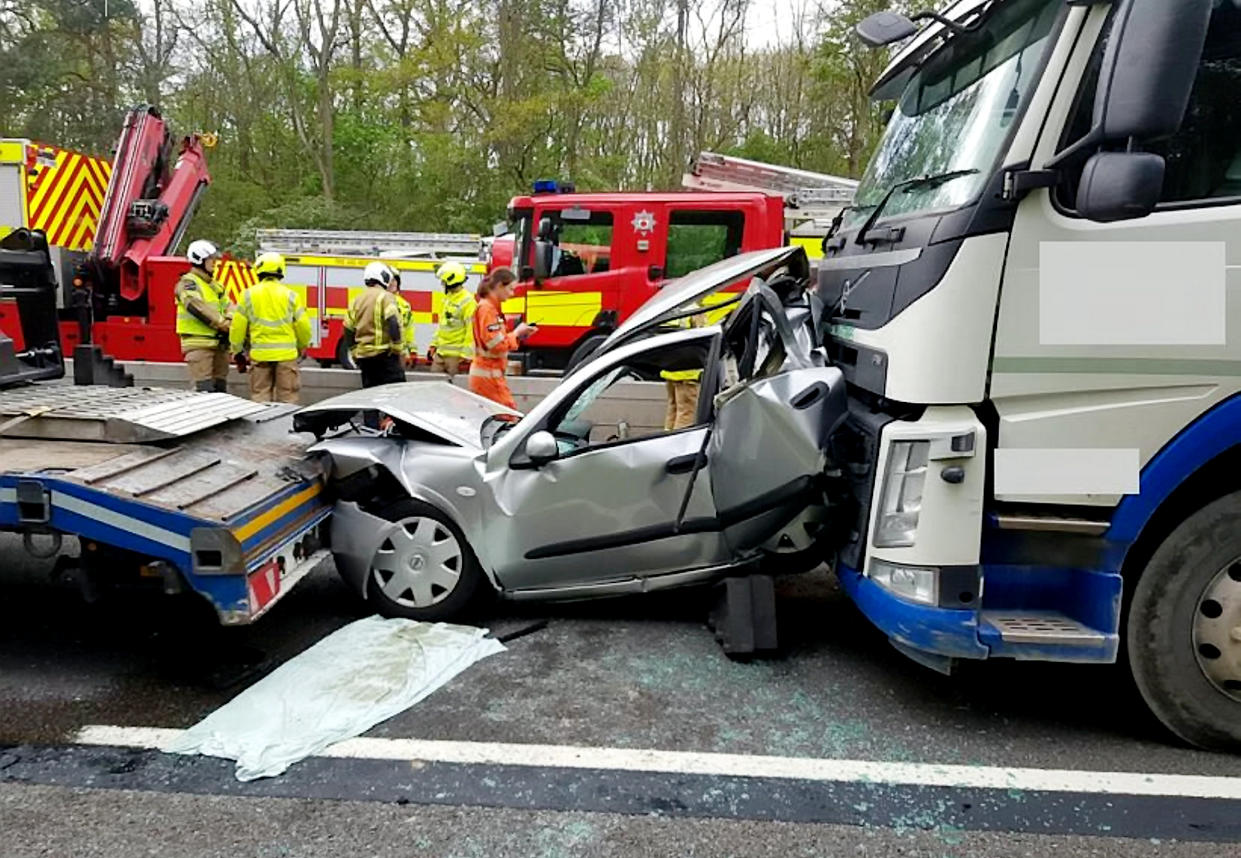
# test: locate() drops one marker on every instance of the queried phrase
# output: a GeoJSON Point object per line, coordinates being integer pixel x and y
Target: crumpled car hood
{"type": "Point", "coordinates": [440, 409]}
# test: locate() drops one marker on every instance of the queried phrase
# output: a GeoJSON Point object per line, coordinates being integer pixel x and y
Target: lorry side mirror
{"type": "Point", "coordinates": [1147, 74]}
{"type": "Point", "coordinates": [1120, 186]}
{"type": "Point", "coordinates": [1149, 67]}
{"type": "Point", "coordinates": [546, 229]}
{"type": "Point", "coordinates": [885, 28]}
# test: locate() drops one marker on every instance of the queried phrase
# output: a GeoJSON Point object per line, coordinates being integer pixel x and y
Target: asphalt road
{"type": "Point", "coordinates": [636, 673]}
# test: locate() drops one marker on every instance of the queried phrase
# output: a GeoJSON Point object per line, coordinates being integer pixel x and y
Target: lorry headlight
{"type": "Point", "coordinates": [915, 583]}
{"type": "Point", "coordinates": [901, 500]}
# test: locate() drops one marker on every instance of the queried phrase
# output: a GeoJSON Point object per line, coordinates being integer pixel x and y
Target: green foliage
{"type": "Point", "coordinates": [431, 114]}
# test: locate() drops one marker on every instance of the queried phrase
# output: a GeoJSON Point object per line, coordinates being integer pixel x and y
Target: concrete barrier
{"type": "Point", "coordinates": [641, 404]}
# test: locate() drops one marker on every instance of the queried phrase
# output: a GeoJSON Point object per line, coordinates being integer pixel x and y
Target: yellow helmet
{"type": "Point", "coordinates": [269, 264]}
{"type": "Point", "coordinates": [451, 274]}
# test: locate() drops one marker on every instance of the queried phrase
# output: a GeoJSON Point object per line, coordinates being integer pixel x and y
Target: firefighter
{"type": "Point", "coordinates": [272, 319]}
{"type": "Point", "coordinates": [683, 387]}
{"type": "Point", "coordinates": [373, 332]}
{"type": "Point", "coordinates": [492, 342]}
{"type": "Point", "coordinates": [203, 319]}
{"type": "Point", "coordinates": [454, 338]}
{"type": "Point", "coordinates": [409, 350]}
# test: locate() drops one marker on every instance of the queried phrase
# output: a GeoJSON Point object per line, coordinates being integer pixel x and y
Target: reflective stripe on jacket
{"type": "Point", "coordinates": [206, 295]}
{"type": "Point", "coordinates": [454, 337]}
{"type": "Point", "coordinates": [678, 375]}
{"type": "Point", "coordinates": [272, 318]}
{"type": "Point", "coordinates": [492, 341]}
{"type": "Point", "coordinates": [366, 319]}
{"type": "Point", "coordinates": [406, 313]}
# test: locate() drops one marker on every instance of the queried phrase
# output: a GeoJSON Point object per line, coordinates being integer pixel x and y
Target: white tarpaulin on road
{"type": "Point", "coordinates": [342, 686]}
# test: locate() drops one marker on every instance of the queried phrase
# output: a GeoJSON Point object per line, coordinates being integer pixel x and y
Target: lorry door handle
{"type": "Point", "coordinates": [684, 464]}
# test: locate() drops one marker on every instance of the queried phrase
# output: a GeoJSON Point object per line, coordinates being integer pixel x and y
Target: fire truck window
{"type": "Point", "coordinates": [584, 246]}
{"type": "Point", "coordinates": [698, 238]}
{"type": "Point", "coordinates": [1203, 159]}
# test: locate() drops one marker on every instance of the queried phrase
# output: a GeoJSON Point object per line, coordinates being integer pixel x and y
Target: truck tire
{"type": "Point", "coordinates": [427, 570]}
{"type": "Point", "coordinates": [1184, 628]}
{"type": "Point", "coordinates": [584, 350]}
{"type": "Point", "coordinates": [343, 357]}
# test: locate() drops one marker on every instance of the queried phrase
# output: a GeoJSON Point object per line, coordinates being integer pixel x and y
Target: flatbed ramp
{"type": "Point", "coordinates": [214, 488]}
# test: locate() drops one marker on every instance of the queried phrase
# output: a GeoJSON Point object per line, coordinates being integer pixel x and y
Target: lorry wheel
{"type": "Point", "coordinates": [1184, 630]}
{"type": "Point", "coordinates": [425, 569]}
{"type": "Point", "coordinates": [343, 357]}
{"type": "Point", "coordinates": [584, 350]}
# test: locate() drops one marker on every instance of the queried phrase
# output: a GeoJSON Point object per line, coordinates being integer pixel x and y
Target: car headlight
{"type": "Point", "coordinates": [901, 500]}
{"type": "Point", "coordinates": [914, 583]}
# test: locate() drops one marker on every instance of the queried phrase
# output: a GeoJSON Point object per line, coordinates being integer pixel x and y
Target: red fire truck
{"type": "Point", "coordinates": [585, 261]}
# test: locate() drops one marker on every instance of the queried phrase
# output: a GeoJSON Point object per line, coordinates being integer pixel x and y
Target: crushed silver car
{"type": "Point", "coordinates": [459, 495]}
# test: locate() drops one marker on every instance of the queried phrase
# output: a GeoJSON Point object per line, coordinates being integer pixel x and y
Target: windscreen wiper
{"type": "Point", "coordinates": [906, 187]}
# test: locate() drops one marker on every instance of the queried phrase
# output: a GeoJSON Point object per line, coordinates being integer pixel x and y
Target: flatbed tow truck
{"type": "Point", "coordinates": [199, 492]}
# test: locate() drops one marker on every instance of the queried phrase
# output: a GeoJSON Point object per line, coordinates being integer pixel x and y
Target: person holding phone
{"type": "Point", "coordinates": [492, 339]}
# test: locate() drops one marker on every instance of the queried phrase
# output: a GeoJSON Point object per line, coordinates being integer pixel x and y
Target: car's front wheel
{"type": "Point", "coordinates": [424, 569]}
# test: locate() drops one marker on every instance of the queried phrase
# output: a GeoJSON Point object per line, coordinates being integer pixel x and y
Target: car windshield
{"type": "Point", "coordinates": [957, 111]}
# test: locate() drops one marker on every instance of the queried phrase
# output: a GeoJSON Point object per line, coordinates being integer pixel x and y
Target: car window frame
{"type": "Point", "coordinates": [713, 338]}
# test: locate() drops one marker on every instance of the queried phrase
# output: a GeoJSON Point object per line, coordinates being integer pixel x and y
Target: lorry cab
{"type": "Point", "coordinates": [586, 261]}
{"type": "Point", "coordinates": [1034, 301]}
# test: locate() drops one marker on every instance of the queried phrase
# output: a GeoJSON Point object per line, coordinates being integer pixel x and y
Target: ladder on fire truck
{"type": "Point", "coordinates": [398, 245]}
{"type": "Point", "coordinates": [808, 196]}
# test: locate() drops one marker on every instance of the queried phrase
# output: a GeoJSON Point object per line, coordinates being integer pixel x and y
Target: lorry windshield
{"type": "Point", "coordinates": [957, 111]}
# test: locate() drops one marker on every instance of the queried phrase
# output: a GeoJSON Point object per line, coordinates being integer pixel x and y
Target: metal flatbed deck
{"type": "Point", "coordinates": [219, 488]}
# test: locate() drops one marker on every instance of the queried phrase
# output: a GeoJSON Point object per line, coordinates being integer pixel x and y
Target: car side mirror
{"type": "Point", "coordinates": [541, 447]}
{"type": "Point", "coordinates": [1120, 186]}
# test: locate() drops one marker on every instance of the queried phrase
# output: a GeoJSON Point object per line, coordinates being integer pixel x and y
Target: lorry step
{"type": "Point", "coordinates": [1041, 627]}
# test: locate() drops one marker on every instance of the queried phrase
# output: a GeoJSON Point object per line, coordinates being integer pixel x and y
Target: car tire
{"type": "Point", "coordinates": [343, 358]}
{"type": "Point", "coordinates": [1184, 628]}
{"type": "Point", "coordinates": [584, 350]}
{"type": "Point", "coordinates": [426, 569]}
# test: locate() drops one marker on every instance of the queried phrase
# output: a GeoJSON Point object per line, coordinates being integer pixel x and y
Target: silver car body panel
{"type": "Point", "coordinates": [612, 517]}
{"type": "Point", "coordinates": [676, 295]}
{"type": "Point", "coordinates": [440, 409]}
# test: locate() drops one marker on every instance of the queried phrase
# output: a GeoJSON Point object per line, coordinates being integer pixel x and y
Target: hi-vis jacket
{"type": "Point", "coordinates": [685, 374]}
{"type": "Point", "coordinates": [455, 336]}
{"type": "Point", "coordinates": [200, 297]}
{"type": "Point", "coordinates": [406, 313]}
{"type": "Point", "coordinates": [492, 340]}
{"type": "Point", "coordinates": [366, 319]}
{"type": "Point", "coordinates": [272, 317]}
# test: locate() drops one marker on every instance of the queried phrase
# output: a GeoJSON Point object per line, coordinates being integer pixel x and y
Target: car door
{"type": "Point", "coordinates": [611, 509]}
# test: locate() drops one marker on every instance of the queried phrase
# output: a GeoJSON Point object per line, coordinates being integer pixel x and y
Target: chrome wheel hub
{"type": "Point", "coordinates": [419, 563]}
{"type": "Point", "coordinates": [1217, 631]}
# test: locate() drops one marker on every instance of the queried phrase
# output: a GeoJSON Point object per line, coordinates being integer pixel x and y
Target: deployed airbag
{"type": "Point", "coordinates": [342, 686]}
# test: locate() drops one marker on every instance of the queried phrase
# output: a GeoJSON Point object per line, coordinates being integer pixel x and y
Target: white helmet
{"type": "Point", "coordinates": [200, 251]}
{"type": "Point", "coordinates": [377, 272]}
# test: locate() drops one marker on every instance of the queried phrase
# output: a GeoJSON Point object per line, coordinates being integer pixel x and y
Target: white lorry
{"type": "Point", "coordinates": [1036, 301]}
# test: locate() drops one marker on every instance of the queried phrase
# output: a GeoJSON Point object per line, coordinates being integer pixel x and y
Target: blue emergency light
{"type": "Point", "coordinates": [551, 186]}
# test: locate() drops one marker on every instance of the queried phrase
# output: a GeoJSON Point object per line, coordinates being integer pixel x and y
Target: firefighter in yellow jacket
{"type": "Point", "coordinates": [683, 387]}
{"type": "Point", "coordinates": [272, 325]}
{"type": "Point", "coordinates": [203, 319]}
{"type": "Point", "coordinates": [373, 331]}
{"type": "Point", "coordinates": [409, 351]}
{"type": "Point", "coordinates": [454, 338]}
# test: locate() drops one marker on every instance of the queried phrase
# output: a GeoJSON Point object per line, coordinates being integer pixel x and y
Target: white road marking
{"type": "Point", "coordinates": [734, 765]}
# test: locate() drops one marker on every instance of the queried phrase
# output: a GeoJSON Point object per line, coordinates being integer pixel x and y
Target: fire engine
{"type": "Point", "coordinates": [585, 261]}
{"type": "Point", "coordinates": [112, 227]}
